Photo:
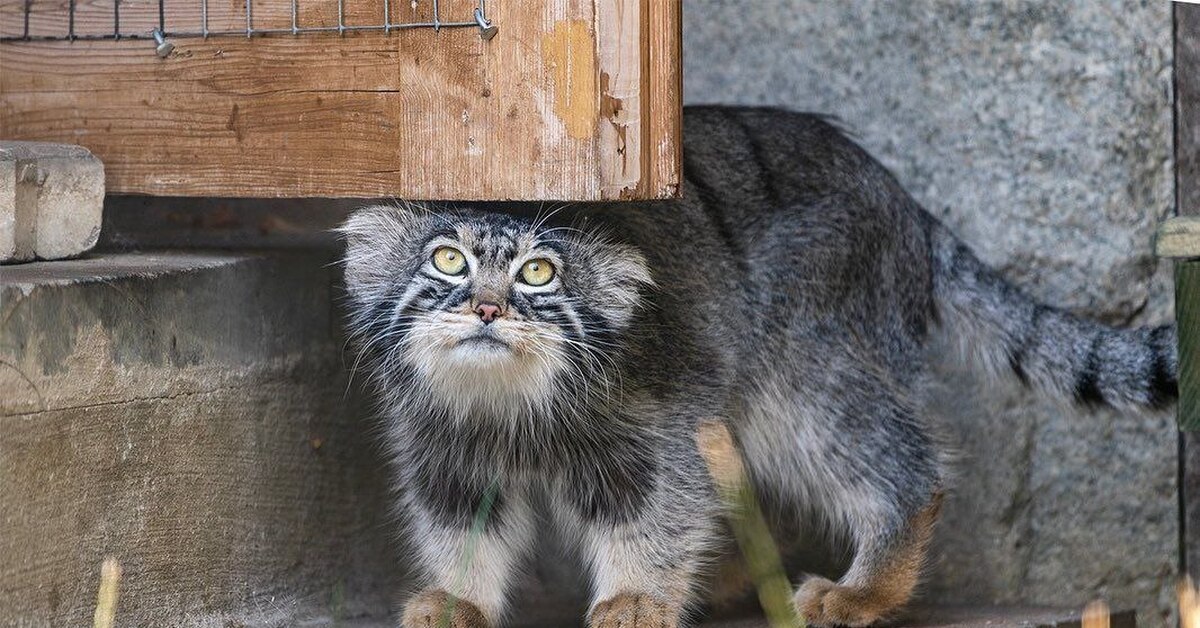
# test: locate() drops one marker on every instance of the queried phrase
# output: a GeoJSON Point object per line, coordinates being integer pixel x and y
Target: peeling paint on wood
{"type": "Point", "coordinates": [569, 53]}
{"type": "Point", "coordinates": [620, 48]}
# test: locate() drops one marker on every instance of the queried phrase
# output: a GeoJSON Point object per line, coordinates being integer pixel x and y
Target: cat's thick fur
{"type": "Point", "coordinates": [792, 293]}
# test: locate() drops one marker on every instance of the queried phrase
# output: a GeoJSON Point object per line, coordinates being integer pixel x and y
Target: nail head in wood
{"type": "Point", "coordinates": [163, 48]}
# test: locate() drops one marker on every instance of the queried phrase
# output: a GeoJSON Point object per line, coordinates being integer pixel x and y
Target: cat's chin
{"type": "Point", "coordinates": [480, 351]}
{"type": "Point", "coordinates": [488, 379]}
{"type": "Point", "coordinates": [503, 369]}
{"type": "Point", "coordinates": [483, 342]}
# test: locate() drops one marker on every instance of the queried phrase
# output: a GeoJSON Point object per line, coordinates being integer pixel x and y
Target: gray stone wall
{"type": "Point", "coordinates": [1041, 133]}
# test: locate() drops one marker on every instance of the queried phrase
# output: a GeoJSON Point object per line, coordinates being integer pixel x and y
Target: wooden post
{"type": "Point", "coordinates": [1187, 283]}
{"type": "Point", "coordinates": [1178, 238]}
{"type": "Point", "coordinates": [1187, 318]}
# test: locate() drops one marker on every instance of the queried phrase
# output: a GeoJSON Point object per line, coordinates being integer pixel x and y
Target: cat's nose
{"type": "Point", "coordinates": [487, 311]}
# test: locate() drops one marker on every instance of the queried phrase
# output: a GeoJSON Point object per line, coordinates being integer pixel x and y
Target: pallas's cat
{"type": "Point", "coordinates": [793, 294]}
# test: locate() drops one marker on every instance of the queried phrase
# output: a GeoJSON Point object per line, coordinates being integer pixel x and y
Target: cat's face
{"type": "Point", "coordinates": [487, 312]}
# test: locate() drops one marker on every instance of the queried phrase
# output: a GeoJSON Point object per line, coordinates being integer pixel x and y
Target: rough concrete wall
{"type": "Point", "coordinates": [1041, 133]}
{"type": "Point", "coordinates": [210, 448]}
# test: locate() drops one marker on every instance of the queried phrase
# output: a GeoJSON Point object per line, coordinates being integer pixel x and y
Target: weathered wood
{"type": "Point", "coordinates": [621, 120]}
{"type": "Point", "coordinates": [1187, 318]}
{"type": "Point", "coordinates": [574, 100]}
{"type": "Point", "coordinates": [664, 88]}
{"type": "Point", "coordinates": [138, 17]}
{"type": "Point", "coordinates": [1178, 237]}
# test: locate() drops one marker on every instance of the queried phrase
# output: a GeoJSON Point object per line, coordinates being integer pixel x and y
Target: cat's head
{"type": "Point", "coordinates": [485, 312]}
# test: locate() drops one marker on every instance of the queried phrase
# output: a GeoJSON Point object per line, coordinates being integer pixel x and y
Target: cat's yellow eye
{"type": "Point", "coordinates": [449, 260]}
{"type": "Point", "coordinates": [537, 272]}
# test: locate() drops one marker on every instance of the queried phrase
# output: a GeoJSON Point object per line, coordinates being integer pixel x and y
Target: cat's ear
{"type": "Point", "coordinates": [379, 239]}
{"type": "Point", "coordinates": [617, 277]}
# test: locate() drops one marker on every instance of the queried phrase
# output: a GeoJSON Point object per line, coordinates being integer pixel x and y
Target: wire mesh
{"type": "Point", "coordinates": [161, 32]}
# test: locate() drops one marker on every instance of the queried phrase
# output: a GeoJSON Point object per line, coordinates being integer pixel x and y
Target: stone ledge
{"type": "Point", "coordinates": [109, 266]}
{"type": "Point", "coordinates": [51, 200]}
{"type": "Point", "coordinates": [186, 413]}
{"type": "Point", "coordinates": [115, 327]}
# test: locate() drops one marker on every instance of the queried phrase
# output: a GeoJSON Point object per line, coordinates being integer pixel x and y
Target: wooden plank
{"type": "Point", "coordinates": [1187, 319]}
{"type": "Point", "coordinates": [663, 72]}
{"type": "Point", "coordinates": [136, 18]}
{"type": "Point", "coordinates": [619, 49]}
{"type": "Point", "coordinates": [417, 114]}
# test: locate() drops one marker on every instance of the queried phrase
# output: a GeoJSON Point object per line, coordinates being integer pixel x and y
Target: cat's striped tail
{"type": "Point", "coordinates": [1045, 347]}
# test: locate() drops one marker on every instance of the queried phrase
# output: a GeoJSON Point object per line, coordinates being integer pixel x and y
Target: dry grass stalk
{"type": "Point", "coordinates": [749, 525]}
{"type": "Point", "coordinates": [1095, 615]}
{"type": "Point", "coordinates": [106, 598]}
{"type": "Point", "coordinates": [1189, 604]}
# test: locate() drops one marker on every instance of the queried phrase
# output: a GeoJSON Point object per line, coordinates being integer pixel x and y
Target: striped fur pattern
{"type": "Point", "coordinates": [793, 292]}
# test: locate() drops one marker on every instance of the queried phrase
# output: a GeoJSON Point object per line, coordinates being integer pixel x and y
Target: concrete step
{"type": "Point", "coordinates": [187, 414]}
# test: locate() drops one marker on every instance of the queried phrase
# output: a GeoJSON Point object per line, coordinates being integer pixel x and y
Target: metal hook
{"type": "Point", "coordinates": [487, 30]}
{"type": "Point", "coordinates": [164, 47]}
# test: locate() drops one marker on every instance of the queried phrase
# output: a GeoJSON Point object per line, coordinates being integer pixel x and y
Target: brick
{"type": "Point", "coordinates": [51, 200]}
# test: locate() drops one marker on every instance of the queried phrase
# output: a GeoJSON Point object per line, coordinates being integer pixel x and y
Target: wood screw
{"type": "Point", "coordinates": [164, 47]}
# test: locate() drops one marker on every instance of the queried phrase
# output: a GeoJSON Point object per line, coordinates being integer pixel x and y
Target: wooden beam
{"type": "Point", "coordinates": [1187, 319]}
{"type": "Point", "coordinates": [417, 114]}
{"type": "Point", "coordinates": [663, 72]}
{"type": "Point", "coordinates": [621, 124]}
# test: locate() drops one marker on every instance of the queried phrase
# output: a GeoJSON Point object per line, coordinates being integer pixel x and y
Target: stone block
{"type": "Point", "coordinates": [188, 415]}
{"type": "Point", "coordinates": [51, 201]}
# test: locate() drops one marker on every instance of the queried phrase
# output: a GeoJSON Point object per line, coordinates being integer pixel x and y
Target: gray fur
{"type": "Point", "coordinates": [791, 293]}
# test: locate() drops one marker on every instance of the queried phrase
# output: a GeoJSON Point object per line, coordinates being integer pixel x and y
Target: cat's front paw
{"type": "Point", "coordinates": [434, 608]}
{"type": "Point", "coordinates": [634, 610]}
{"type": "Point", "coordinates": [824, 603]}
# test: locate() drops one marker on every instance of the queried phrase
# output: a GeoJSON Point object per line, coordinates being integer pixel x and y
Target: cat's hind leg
{"type": "Point", "coordinates": [858, 455]}
{"type": "Point", "coordinates": [886, 568]}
